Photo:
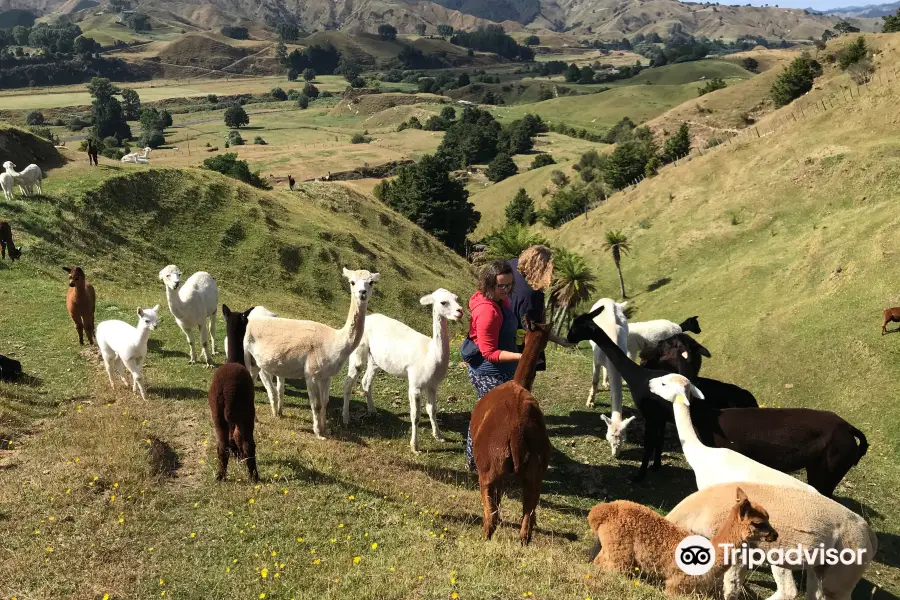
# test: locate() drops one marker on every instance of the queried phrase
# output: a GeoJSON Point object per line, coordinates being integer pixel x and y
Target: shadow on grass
{"type": "Point", "coordinates": [156, 347]}
{"type": "Point", "coordinates": [178, 392]}
{"type": "Point", "coordinates": [658, 284]}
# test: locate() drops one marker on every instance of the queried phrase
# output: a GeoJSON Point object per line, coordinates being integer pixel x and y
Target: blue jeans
{"type": "Point", "coordinates": [482, 384]}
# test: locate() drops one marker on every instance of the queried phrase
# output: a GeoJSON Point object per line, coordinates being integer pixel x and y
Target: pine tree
{"type": "Point", "coordinates": [520, 209]}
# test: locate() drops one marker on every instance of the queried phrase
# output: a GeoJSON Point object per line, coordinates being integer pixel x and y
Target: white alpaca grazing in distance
{"type": "Point", "coordinates": [8, 184]}
{"type": "Point", "coordinates": [398, 349]}
{"type": "Point", "coordinates": [292, 349]}
{"type": "Point", "coordinates": [713, 466]}
{"type": "Point", "coordinates": [28, 179]}
{"type": "Point", "coordinates": [193, 306]}
{"type": "Point", "coordinates": [125, 347]}
{"type": "Point", "coordinates": [612, 320]}
{"type": "Point", "coordinates": [136, 158]}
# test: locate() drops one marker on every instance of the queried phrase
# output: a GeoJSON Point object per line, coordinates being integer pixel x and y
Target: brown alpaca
{"type": "Point", "coordinates": [80, 300]}
{"type": "Point", "coordinates": [231, 397]}
{"type": "Point", "coordinates": [632, 535]}
{"type": "Point", "coordinates": [891, 315]}
{"type": "Point", "coordinates": [509, 436]}
{"type": "Point", "coordinates": [7, 241]}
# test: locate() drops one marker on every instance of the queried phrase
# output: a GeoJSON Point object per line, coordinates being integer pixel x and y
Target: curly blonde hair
{"type": "Point", "coordinates": [536, 266]}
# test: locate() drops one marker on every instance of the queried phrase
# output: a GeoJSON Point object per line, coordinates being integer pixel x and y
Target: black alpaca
{"type": "Point", "coordinates": [92, 153]}
{"type": "Point", "coordinates": [786, 439]}
{"type": "Point", "coordinates": [291, 182]}
{"type": "Point", "coordinates": [231, 396]}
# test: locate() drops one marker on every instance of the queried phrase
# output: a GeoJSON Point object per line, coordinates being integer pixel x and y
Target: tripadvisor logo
{"type": "Point", "coordinates": [695, 555]}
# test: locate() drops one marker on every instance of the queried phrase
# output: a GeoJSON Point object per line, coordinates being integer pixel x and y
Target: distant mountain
{"type": "Point", "coordinates": [868, 11]}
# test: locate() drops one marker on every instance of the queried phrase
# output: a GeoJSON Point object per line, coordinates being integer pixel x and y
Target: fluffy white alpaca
{"type": "Point", "coordinates": [291, 349]}
{"type": "Point", "coordinates": [28, 179]}
{"type": "Point", "coordinates": [8, 184]}
{"type": "Point", "coordinates": [136, 158]}
{"type": "Point", "coordinates": [802, 519]}
{"type": "Point", "coordinates": [713, 466]}
{"type": "Point", "coordinates": [125, 347]}
{"type": "Point", "coordinates": [612, 320]}
{"type": "Point", "coordinates": [650, 333]}
{"type": "Point", "coordinates": [193, 306]}
{"type": "Point", "coordinates": [397, 349]}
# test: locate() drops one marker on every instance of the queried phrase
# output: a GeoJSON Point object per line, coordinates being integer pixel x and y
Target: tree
{"type": "Point", "coordinates": [85, 45]}
{"type": "Point", "coordinates": [445, 31]}
{"type": "Point", "coordinates": [386, 31]}
{"type": "Point", "coordinates": [891, 23]}
{"type": "Point", "coordinates": [139, 22]}
{"type": "Point", "coordinates": [229, 165]}
{"type": "Point", "coordinates": [573, 73]}
{"type": "Point", "coordinates": [236, 116]}
{"type": "Point", "coordinates": [532, 40]}
{"type": "Point", "coordinates": [678, 145]}
{"type": "Point", "coordinates": [796, 79]}
{"type": "Point", "coordinates": [310, 91]}
{"type": "Point", "coordinates": [235, 32]}
{"type": "Point", "coordinates": [421, 28]}
{"type": "Point", "coordinates": [586, 75]}
{"type": "Point", "coordinates": [751, 64]}
{"type": "Point", "coordinates": [617, 243]}
{"type": "Point", "coordinates": [542, 160]}
{"type": "Point", "coordinates": [107, 111]}
{"type": "Point", "coordinates": [35, 118]}
{"type": "Point", "coordinates": [152, 139]}
{"type": "Point", "coordinates": [281, 54]}
{"type": "Point", "coordinates": [520, 210]}
{"type": "Point", "coordinates": [288, 32]}
{"type": "Point", "coordinates": [165, 119]}
{"type": "Point", "coordinates": [303, 102]}
{"type": "Point", "coordinates": [716, 83]}
{"type": "Point", "coordinates": [309, 74]}
{"type": "Point", "coordinates": [511, 240]}
{"type": "Point", "coordinates": [573, 284]}
{"type": "Point", "coordinates": [131, 104]}
{"type": "Point", "coordinates": [853, 53]}
{"type": "Point", "coordinates": [425, 194]}
{"type": "Point", "coordinates": [501, 167]}
{"type": "Point", "coordinates": [845, 27]}
{"type": "Point", "coordinates": [277, 93]}
{"type": "Point", "coordinates": [448, 113]}
{"type": "Point", "coordinates": [150, 119]}
{"type": "Point", "coordinates": [627, 162]}
{"type": "Point", "coordinates": [559, 178]}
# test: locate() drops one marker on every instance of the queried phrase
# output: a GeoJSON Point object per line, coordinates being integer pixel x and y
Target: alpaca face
{"type": "Point", "coordinates": [76, 276]}
{"type": "Point", "coordinates": [9, 165]}
{"type": "Point", "coordinates": [615, 432]}
{"type": "Point", "coordinates": [692, 325]}
{"type": "Point", "coordinates": [754, 521]}
{"type": "Point", "coordinates": [583, 326]}
{"type": "Point", "coordinates": [675, 389]}
{"type": "Point", "coordinates": [361, 283]}
{"type": "Point", "coordinates": [15, 253]}
{"type": "Point", "coordinates": [446, 303]}
{"type": "Point", "coordinates": [171, 277]}
{"type": "Point", "coordinates": [149, 317]}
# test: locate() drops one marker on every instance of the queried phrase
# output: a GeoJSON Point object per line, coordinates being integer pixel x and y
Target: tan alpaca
{"type": "Point", "coordinates": [286, 348]}
{"type": "Point", "coordinates": [632, 535]}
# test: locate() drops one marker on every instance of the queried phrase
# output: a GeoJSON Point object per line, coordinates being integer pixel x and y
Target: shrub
{"type": "Point", "coordinates": [501, 167]}
{"type": "Point", "coordinates": [716, 83]}
{"type": "Point", "coordinates": [326, 94]}
{"type": "Point", "coordinates": [236, 116]}
{"type": "Point", "coordinates": [532, 40]}
{"type": "Point", "coordinates": [165, 119]}
{"type": "Point", "coordinates": [277, 94]}
{"type": "Point", "coordinates": [564, 204]}
{"type": "Point", "coordinates": [110, 142]}
{"type": "Point", "coordinates": [310, 91]}
{"type": "Point", "coordinates": [545, 94]}
{"type": "Point", "coordinates": [309, 74]}
{"type": "Point", "coordinates": [35, 118]}
{"type": "Point", "coordinates": [259, 141]}
{"type": "Point", "coordinates": [212, 99]}
{"type": "Point", "coordinates": [436, 123]}
{"type": "Point", "coordinates": [229, 165]}
{"type": "Point", "coordinates": [520, 209]}
{"type": "Point", "coordinates": [559, 178]}
{"type": "Point", "coordinates": [152, 138]}
{"type": "Point", "coordinates": [796, 79]}
{"type": "Point", "coordinates": [387, 31]}
{"type": "Point", "coordinates": [359, 138]}
{"type": "Point", "coordinates": [891, 23]}
{"type": "Point", "coordinates": [234, 138]}
{"type": "Point", "coordinates": [303, 101]}
{"type": "Point", "coordinates": [236, 33]}
{"type": "Point", "coordinates": [357, 82]}
{"type": "Point", "coordinates": [77, 124]}
{"type": "Point", "coordinates": [542, 160]}
{"type": "Point", "coordinates": [861, 70]}
{"type": "Point", "coordinates": [448, 113]}
{"type": "Point", "coordinates": [751, 64]}
{"type": "Point", "coordinates": [713, 142]}
{"type": "Point", "coordinates": [852, 54]}
{"type": "Point", "coordinates": [43, 132]}
{"type": "Point", "coordinates": [678, 145]}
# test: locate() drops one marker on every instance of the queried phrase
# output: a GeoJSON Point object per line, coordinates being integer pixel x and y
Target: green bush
{"type": "Point", "coordinates": [521, 209]}
{"type": "Point", "coordinates": [259, 141]}
{"type": "Point", "coordinates": [716, 83]}
{"type": "Point", "coordinates": [212, 99]}
{"type": "Point", "coordinates": [359, 138]}
{"type": "Point", "coordinates": [236, 116]}
{"type": "Point", "coordinates": [565, 203]}
{"type": "Point", "coordinates": [501, 167]}
{"type": "Point", "coordinates": [278, 94]}
{"type": "Point", "coordinates": [229, 165]}
{"type": "Point", "coordinates": [303, 101]}
{"type": "Point", "coordinates": [310, 91]}
{"type": "Point", "coordinates": [152, 139]}
{"type": "Point", "coordinates": [35, 118]}
{"type": "Point", "coordinates": [751, 64]}
{"type": "Point", "coordinates": [542, 160]}
{"type": "Point", "coordinates": [852, 54]}
{"type": "Point", "coordinates": [796, 79]}
{"type": "Point", "coordinates": [43, 132]}
{"type": "Point", "coordinates": [234, 138]}
{"type": "Point", "coordinates": [77, 124]}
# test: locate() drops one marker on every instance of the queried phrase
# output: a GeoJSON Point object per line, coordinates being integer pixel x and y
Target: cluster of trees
{"type": "Point", "coordinates": [49, 38]}
{"type": "Point", "coordinates": [582, 134]}
{"type": "Point", "coordinates": [387, 32]}
{"type": "Point", "coordinates": [891, 23]}
{"type": "Point", "coordinates": [288, 32]}
{"type": "Point", "coordinates": [323, 60]}
{"type": "Point", "coordinates": [228, 164]}
{"type": "Point", "coordinates": [716, 83]}
{"type": "Point", "coordinates": [235, 32]}
{"type": "Point", "coordinates": [796, 79]}
{"type": "Point", "coordinates": [589, 74]}
{"type": "Point", "coordinates": [478, 138]}
{"type": "Point", "coordinates": [153, 125]}
{"type": "Point", "coordinates": [854, 58]}
{"type": "Point", "coordinates": [138, 21]}
{"type": "Point", "coordinates": [493, 39]}
{"type": "Point", "coordinates": [106, 111]}
{"type": "Point", "coordinates": [50, 70]}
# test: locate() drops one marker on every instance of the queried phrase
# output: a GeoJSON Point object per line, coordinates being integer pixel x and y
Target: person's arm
{"type": "Point", "coordinates": [487, 332]}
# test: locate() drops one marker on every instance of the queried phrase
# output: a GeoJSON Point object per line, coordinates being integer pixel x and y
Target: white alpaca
{"type": "Point", "coordinates": [193, 306]}
{"type": "Point", "coordinates": [8, 184]}
{"type": "Point", "coordinates": [713, 466]}
{"type": "Point", "coordinates": [291, 349]}
{"type": "Point", "coordinates": [612, 320]}
{"type": "Point", "coordinates": [28, 179]}
{"type": "Point", "coordinates": [397, 349]}
{"type": "Point", "coordinates": [125, 347]}
{"type": "Point", "coordinates": [650, 333]}
{"type": "Point", "coordinates": [136, 158]}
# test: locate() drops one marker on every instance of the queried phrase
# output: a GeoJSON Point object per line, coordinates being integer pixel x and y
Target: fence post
{"type": "Point", "coordinates": [794, 116]}
{"type": "Point", "coordinates": [824, 108]}
{"type": "Point", "coordinates": [757, 131]}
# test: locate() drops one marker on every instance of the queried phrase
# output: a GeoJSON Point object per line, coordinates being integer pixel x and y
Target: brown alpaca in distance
{"type": "Point", "coordinates": [632, 535]}
{"type": "Point", "coordinates": [891, 315]}
{"type": "Point", "coordinates": [81, 300]}
{"type": "Point", "coordinates": [231, 397]}
{"type": "Point", "coordinates": [509, 436]}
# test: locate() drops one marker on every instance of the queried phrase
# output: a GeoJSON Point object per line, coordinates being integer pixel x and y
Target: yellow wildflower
{"type": "Point", "coordinates": [264, 573]}
{"type": "Point", "coordinates": [356, 560]}
{"type": "Point", "coordinates": [374, 545]}
{"type": "Point", "coordinates": [193, 535]}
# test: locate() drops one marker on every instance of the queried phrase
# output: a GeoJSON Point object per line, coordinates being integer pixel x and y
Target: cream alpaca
{"type": "Point", "coordinates": [293, 349]}
{"type": "Point", "coordinates": [397, 349]}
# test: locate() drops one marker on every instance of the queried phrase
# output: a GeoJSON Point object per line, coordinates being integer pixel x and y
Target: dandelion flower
{"type": "Point", "coordinates": [105, 596]}
{"type": "Point", "coordinates": [374, 545]}
{"type": "Point", "coordinates": [228, 569]}
{"type": "Point", "coordinates": [162, 582]}
{"type": "Point", "coordinates": [454, 595]}
{"type": "Point", "coordinates": [261, 596]}
{"type": "Point", "coordinates": [637, 583]}
{"type": "Point", "coordinates": [121, 520]}
{"type": "Point", "coordinates": [317, 561]}
{"type": "Point", "coordinates": [252, 500]}
{"type": "Point", "coordinates": [193, 535]}
{"type": "Point", "coordinates": [356, 560]}
{"type": "Point", "coordinates": [150, 549]}
{"type": "Point", "coordinates": [264, 573]}
{"type": "Point", "coordinates": [274, 553]}
{"type": "Point", "coordinates": [299, 540]}
{"type": "Point", "coordinates": [333, 540]}
{"type": "Point", "coordinates": [285, 492]}
{"type": "Point", "coordinates": [340, 526]}
{"type": "Point", "coordinates": [453, 581]}
{"type": "Point", "coordinates": [276, 575]}
{"type": "Point", "coordinates": [351, 497]}
{"type": "Point", "coordinates": [391, 569]}
{"type": "Point", "coordinates": [49, 549]}
{"type": "Point", "coordinates": [68, 490]}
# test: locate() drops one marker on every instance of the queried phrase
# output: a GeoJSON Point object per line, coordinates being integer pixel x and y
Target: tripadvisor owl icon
{"type": "Point", "coordinates": [695, 555]}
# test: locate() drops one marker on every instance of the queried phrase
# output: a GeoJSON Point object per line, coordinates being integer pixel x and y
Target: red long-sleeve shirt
{"type": "Point", "coordinates": [484, 328]}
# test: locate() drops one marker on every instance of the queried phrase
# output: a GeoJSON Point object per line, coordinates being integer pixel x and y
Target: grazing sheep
{"type": "Point", "coordinates": [6, 241]}
{"type": "Point", "coordinates": [631, 535]}
{"type": "Point", "coordinates": [194, 305]}
{"type": "Point", "coordinates": [123, 346]}
{"type": "Point", "coordinates": [802, 519]}
{"type": "Point", "coordinates": [680, 350]}
{"type": "Point", "coordinates": [397, 349]}
{"type": "Point", "coordinates": [7, 183]}
{"type": "Point", "coordinates": [650, 333]}
{"type": "Point", "coordinates": [231, 405]}
{"type": "Point", "coordinates": [891, 315]}
{"type": "Point", "coordinates": [509, 436]}
{"type": "Point", "coordinates": [293, 349]}
{"type": "Point", "coordinates": [712, 465]}
{"type": "Point", "coordinates": [80, 302]}
{"type": "Point", "coordinates": [10, 369]}
{"type": "Point", "coordinates": [614, 323]}
{"type": "Point", "coordinates": [28, 179]}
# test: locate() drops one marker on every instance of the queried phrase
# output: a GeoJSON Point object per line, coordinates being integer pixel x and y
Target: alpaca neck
{"type": "Point", "coordinates": [351, 333]}
{"type": "Point", "coordinates": [236, 344]}
{"type": "Point", "coordinates": [143, 334]}
{"type": "Point", "coordinates": [686, 432]}
{"type": "Point", "coordinates": [535, 342]}
{"type": "Point", "coordinates": [174, 300]}
{"type": "Point", "coordinates": [440, 340]}
{"type": "Point", "coordinates": [728, 533]}
{"type": "Point", "coordinates": [631, 372]}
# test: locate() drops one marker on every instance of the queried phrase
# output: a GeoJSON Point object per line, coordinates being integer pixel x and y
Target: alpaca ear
{"type": "Point", "coordinates": [426, 300]}
{"type": "Point", "coordinates": [348, 273]}
{"type": "Point", "coordinates": [140, 311]}
{"type": "Point", "coordinates": [156, 308]}
{"type": "Point", "coordinates": [743, 503]}
{"type": "Point", "coordinates": [593, 314]}
{"type": "Point", "coordinates": [225, 311]}
{"type": "Point", "coordinates": [696, 392]}
{"type": "Point", "coordinates": [626, 422]}
{"type": "Point", "coordinates": [375, 277]}
{"type": "Point", "coordinates": [622, 305]}
{"type": "Point", "coordinates": [66, 269]}
{"type": "Point", "coordinates": [606, 420]}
